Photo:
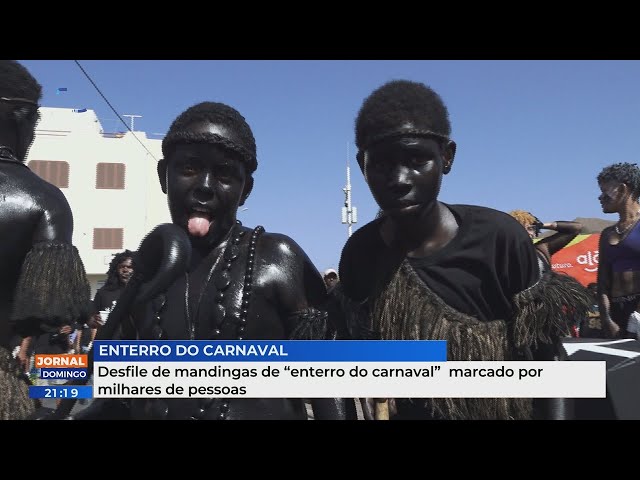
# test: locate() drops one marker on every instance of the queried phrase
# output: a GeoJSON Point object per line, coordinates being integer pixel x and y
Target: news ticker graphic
{"type": "Point", "coordinates": [61, 392]}
{"type": "Point", "coordinates": [326, 369]}
{"type": "Point", "coordinates": [56, 368]}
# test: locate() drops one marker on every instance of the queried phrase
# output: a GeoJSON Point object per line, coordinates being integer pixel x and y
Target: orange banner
{"type": "Point", "coordinates": [579, 259]}
{"type": "Point", "coordinates": [62, 360]}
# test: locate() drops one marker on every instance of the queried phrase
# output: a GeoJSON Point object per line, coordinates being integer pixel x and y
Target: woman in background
{"type": "Point", "coordinates": [547, 246]}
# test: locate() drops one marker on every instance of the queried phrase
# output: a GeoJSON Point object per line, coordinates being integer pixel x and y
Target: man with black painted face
{"type": "Point", "coordinates": [43, 285]}
{"type": "Point", "coordinates": [425, 269]}
{"type": "Point", "coordinates": [242, 283]}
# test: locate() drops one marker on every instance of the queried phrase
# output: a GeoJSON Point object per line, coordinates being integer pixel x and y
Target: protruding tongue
{"type": "Point", "coordinates": [198, 225]}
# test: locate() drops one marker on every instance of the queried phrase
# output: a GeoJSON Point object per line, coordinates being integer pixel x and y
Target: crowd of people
{"type": "Point", "coordinates": [422, 269]}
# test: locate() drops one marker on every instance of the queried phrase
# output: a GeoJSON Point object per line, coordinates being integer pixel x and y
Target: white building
{"type": "Point", "coordinates": [109, 180]}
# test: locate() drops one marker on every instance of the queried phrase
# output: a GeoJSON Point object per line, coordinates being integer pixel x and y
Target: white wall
{"type": "Point", "coordinates": [77, 139]}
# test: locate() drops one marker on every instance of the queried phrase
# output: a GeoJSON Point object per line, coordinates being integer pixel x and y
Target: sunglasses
{"type": "Point", "coordinates": [611, 193]}
{"type": "Point", "coordinates": [28, 110]}
{"type": "Point", "coordinates": [20, 100]}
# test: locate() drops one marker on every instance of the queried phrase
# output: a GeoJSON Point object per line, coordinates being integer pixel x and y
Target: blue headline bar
{"type": "Point", "coordinates": [58, 392]}
{"type": "Point", "coordinates": [271, 351]}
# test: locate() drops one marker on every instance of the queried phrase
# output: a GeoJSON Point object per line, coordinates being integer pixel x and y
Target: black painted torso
{"type": "Point", "coordinates": [264, 321]}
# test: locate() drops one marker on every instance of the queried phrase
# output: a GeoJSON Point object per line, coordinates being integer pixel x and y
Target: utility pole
{"type": "Point", "coordinates": [349, 212]}
{"type": "Point", "coordinates": [132, 117]}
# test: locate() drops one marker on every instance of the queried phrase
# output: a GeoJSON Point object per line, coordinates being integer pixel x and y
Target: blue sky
{"type": "Point", "coordinates": [531, 134]}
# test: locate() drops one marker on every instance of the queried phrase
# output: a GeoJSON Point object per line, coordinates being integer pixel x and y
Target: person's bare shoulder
{"type": "Point", "coordinates": [42, 191]}
{"type": "Point", "coordinates": [606, 232]}
{"type": "Point", "coordinates": [281, 249]}
{"type": "Point", "coordinates": [55, 215]}
{"type": "Point", "coordinates": [285, 269]}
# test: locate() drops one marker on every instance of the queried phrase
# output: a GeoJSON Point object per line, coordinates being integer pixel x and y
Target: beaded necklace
{"type": "Point", "coordinates": [221, 282]}
{"type": "Point", "coordinates": [622, 231]}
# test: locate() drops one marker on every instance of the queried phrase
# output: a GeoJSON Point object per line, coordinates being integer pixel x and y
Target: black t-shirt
{"type": "Point", "coordinates": [104, 300]}
{"type": "Point", "coordinates": [591, 327]}
{"type": "Point", "coordinates": [105, 297]}
{"type": "Point", "coordinates": [478, 272]}
{"type": "Point", "coordinates": [51, 343]}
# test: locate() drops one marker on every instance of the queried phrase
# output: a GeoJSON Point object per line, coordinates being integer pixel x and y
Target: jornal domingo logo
{"type": "Point", "coordinates": [62, 367]}
{"type": "Point", "coordinates": [590, 259]}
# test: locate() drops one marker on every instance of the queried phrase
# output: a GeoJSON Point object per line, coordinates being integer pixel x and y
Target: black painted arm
{"type": "Point", "coordinates": [566, 231]}
{"type": "Point", "coordinates": [163, 255]}
{"type": "Point", "coordinates": [334, 409]}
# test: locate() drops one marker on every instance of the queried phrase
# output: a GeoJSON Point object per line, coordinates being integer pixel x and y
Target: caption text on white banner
{"type": "Point", "coordinates": [526, 379]}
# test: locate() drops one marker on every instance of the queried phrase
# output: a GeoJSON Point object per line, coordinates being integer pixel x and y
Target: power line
{"type": "Point", "coordinates": [114, 110]}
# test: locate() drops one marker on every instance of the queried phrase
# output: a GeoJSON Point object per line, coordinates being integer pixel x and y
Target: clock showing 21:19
{"type": "Point", "coordinates": [60, 391]}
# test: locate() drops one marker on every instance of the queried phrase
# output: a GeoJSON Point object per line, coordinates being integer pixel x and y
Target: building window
{"type": "Point", "coordinates": [52, 171]}
{"type": "Point", "coordinates": [108, 238]}
{"type": "Point", "coordinates": [110, 175]}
